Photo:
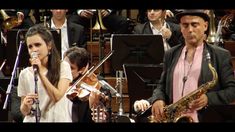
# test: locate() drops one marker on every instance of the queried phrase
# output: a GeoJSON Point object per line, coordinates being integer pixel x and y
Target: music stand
{"type": "Point", "coordinates": [136, 49]}
{"type": "Point", "coordinates": [12, 48]}
{"type": "Point", "coordinates": [142, 80]}
{"type": "Point", "coordinates": [218, 113]}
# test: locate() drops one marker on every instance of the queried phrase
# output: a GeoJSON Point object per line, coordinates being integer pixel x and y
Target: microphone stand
{"type": "Point", "coordinates": [101, 44]}
{"type": "Point", "coordinates": [37, 110]}
{"type": "Point", "coordinates": [14, 71]}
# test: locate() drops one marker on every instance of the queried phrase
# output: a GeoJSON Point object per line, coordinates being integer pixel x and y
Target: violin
{"type": "Point", "coordinates": [87, 85]}
{"type": "Point", "coordinates": [92, 81]}
{"type": "Point", "coordinates": [83, 88]}
{"type": "Point", "coordinates": [88, 81]}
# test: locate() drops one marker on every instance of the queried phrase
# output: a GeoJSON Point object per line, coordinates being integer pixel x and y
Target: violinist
{"type": "Point", "coordinates": [79, 59]}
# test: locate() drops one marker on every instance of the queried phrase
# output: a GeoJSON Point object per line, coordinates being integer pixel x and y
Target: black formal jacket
{"type": "Point", "coordinates": [76, 34]}
{"type": "Point", "coordinates": [224, 91]}
{"type": "Point", "coordinates": [176, 37]}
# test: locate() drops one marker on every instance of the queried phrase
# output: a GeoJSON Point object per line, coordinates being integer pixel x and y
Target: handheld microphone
{"type": "Point", "coordinates": [33, 56]}
{"type": "Point", "coordinates": [108, 86]}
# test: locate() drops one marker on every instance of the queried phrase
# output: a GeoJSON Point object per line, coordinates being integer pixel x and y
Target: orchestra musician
{"type": "Point", "coordinates": [83, 100]}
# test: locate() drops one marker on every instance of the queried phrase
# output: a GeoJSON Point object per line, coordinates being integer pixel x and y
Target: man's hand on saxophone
{"type": "Point", "coordinates": [199, 103]}
{"type": "Point", "coordinates": [158, 110]}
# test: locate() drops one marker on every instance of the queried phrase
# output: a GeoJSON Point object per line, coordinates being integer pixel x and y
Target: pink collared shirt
{"type": "Point", "coordinates": [191, 72]}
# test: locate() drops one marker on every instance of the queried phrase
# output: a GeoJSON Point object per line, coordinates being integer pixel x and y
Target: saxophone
{"type": "Point", "coordinates": [173, 112]}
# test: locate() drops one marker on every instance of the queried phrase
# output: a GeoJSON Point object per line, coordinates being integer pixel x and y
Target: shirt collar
{"type": "Point", "coordinates": [63, 26]}
{"type": "Point", "coordinates": [152, 27]}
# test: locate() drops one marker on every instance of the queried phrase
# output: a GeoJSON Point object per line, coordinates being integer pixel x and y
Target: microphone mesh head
{"type": "Point", "coordinates": [34, 54]}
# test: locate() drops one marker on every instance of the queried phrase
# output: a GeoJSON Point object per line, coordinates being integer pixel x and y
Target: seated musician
{"type": "Point", "coordinates": [85, 101]}
{"type": "Point", "coordinates": [158, 25]}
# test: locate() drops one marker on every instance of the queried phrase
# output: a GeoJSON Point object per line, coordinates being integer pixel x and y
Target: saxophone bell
{"type": "Point", "coordinates": [184, 119]}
